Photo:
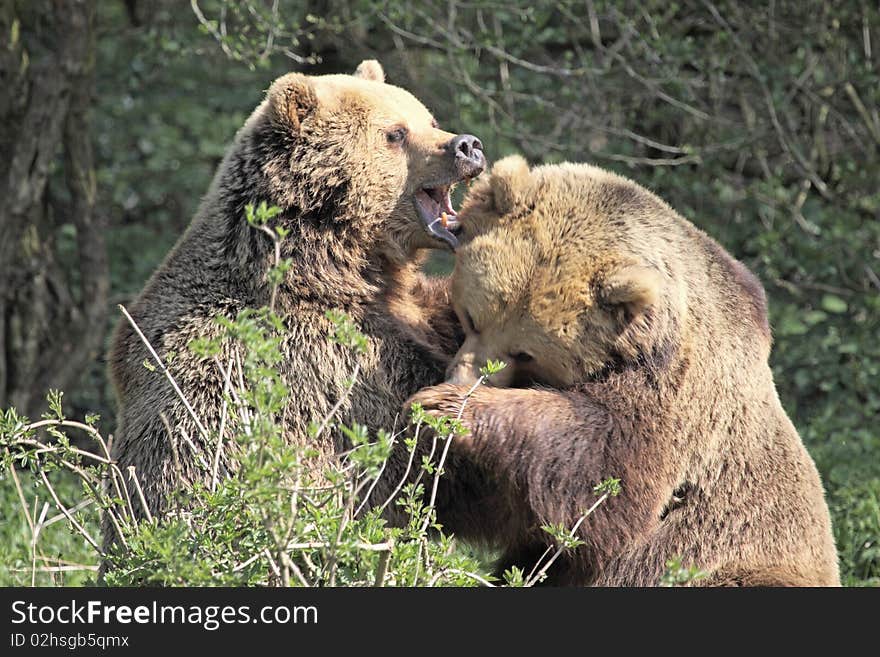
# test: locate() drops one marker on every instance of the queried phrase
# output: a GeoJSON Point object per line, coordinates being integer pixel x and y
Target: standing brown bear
{"type": "Point", "coordinates": [655, 342]}
{"type": "Point", "coordinates": [362, 173]}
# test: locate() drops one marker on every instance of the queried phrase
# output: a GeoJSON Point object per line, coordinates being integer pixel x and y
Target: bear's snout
{"type": "Point", "coordinates": [467, 151]}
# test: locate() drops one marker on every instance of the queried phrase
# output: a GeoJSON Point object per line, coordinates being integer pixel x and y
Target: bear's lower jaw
{"type": "Point", "coordinates": [434, 208]}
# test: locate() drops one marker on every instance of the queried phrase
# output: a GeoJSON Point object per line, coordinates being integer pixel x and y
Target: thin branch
{"type": "Point", "coordinates": [378, 476]}
{"type": "Point", "coordinates": [433, 499]}
{"type": "Point", "coordinates": [458, 571]}
{"type": "Point", "coordinates": [323, 545]}
{"type": "Point", "coordinates": [38, 526]}
{"type": "Point", "coordinates": [82, 530]}
{"type": "Point", "coordinates": [18, 489]}
{"type": "Point", "coordinates": [227, 385]}
{"type": "Point", "coordinates": [339, 402]}
{"type": "Point", "coordinates": [382, 567]}
{"type": "Point", "coordinates": [208, 25]}
{"type": "Point", "coordinates": [540, 574]}
{"type": "Point", "coordinates": [164, 369]}
{"type": "Point", "coordinates": [56, 569]}
{"type": "Point", "coordinates": [872, 127]}
{"type": "Point", "coordinates": [288, 563]}
{"type": "Point", "coordinates": [82, 505]}
{"type": "Point", "coordinates": [406, 472]}
{"type": "Point", "coordinates": [132, 473]}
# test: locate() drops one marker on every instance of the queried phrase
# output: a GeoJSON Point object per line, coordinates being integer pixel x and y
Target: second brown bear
{"type": "Point", "coordinates": [655, 342]}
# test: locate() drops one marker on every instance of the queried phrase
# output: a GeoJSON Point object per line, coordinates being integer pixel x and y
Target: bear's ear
{"type": "Point", "coordinates": [510, 182]}
{"type": "Point", "coordinates": [634, 288]}
{"type": "Point", "coordinates": [370, 69]}
{"type": "Point", "coordinates": [292, 98]}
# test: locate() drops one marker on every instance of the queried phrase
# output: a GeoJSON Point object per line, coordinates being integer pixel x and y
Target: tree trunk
{"type": "Point", "coordinates": [53, 260]}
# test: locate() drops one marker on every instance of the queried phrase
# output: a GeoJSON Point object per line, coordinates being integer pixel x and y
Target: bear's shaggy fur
{"type": "Point", "coordinates": [348, 159]}
{"type": "Point", "coordinates": [651, 343]}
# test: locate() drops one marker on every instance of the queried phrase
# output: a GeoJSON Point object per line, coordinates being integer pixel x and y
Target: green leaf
{"type": "Point", "coordinates": [791, 326]}
{"type": "Point", "coordinates": [813, 317]}
{"type": "Point", "coordinates": [834, 304]}
{"type": "Point", "coordinates": [492, 367]}
{"type": "Point", "coordinates": [611, 486]}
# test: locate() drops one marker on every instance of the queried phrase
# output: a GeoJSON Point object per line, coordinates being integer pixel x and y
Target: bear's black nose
{"type": "Point", "coordinates": [468, 156]}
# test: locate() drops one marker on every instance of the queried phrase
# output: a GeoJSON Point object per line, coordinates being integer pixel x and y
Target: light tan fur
{"type": "Point", "coordinates": [641, 350]}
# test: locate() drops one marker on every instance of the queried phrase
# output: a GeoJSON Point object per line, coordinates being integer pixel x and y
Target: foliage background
{"type": "Point", "coordinates": [758, 123]}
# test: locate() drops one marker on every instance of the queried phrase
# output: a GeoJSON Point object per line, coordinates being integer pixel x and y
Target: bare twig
{"type": "Point", "coordinates": [164, 369]}
{"type": "Point", "coordinates": [78, 507]}
{"type": "Point", "coordinates": [242, 407]}
{"type": "Point", "coordinates": [208, 25]}
{"type": "Point", "coordinates": [872, 276]}
{"type": "Point", "coordinates": [872, 127]}
{"type": "Point", "coordinates": [433, 499]}
{"type": "Point", "coordinates": [132, 473]}
{"type": "Point", "coordinates": [458, 571]}
{"type": "Point", "coordinates": [327, 418]}
{"type": "Point", "coordinates": [18, 489]}
{"type": "Point", "coordinates": [56, 569]}
{"type": "Point", "coordinates": [360, 545]}
{"type": "Point", "coordinates": [246, 563]}
{"type": "Point", "coordinates": [378, 476]}
{"type": "Point", "coordinates": [218, 448]}
{"type": "Point", "coordinates": [270, 38]}
{"type": "Point", "coordinates": [406, 472]}
{"type": "Point", "coordinates": [289, 563]}
{"type": "Point", "coordinates": [82, 530]}
{"type": "Point", "coordinates": [382, 567]}
{"type": "Point", "coordinates": [272, 563]}
{"type": "Point", "coordinates": [38, 526]}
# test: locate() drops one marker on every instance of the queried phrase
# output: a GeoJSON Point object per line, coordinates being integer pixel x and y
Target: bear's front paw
{"type": "Point", "coordinates": [450, 401]}
{"type": "Point", "coordinates": [442, 400]}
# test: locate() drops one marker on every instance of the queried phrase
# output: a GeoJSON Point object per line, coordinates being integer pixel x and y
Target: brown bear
{"type": "Point", "coordinates": [639, 347]}
{"type": "Point", "coordinates": [362, 173]}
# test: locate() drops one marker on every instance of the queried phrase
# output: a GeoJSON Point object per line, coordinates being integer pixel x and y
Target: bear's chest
{"type": "Point", "coordinates": [392, 369]}
{"type": "Point", "coordinates": [318, 370]}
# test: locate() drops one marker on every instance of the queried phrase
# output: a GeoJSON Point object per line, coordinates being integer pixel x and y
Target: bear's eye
{"type": "Point", "coordinates": [470, 323]}
{"type": "Point", "coordinates": [396, 135]}
{"type": "Point", "coordinates": [522, 357]}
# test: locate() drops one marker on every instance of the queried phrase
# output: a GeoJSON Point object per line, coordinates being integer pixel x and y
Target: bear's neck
{"type": "Point", "coordinates": [334, 266]}
{"type": "Point", "coordinates": [707, 373]}
{"type": "Point", "coordinates": [332, 262]}
{"type": "Point", "coordinates": [711, 388]}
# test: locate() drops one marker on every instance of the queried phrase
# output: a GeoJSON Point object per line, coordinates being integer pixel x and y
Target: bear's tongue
{"type": "Point", "coordinates": [435, 209]}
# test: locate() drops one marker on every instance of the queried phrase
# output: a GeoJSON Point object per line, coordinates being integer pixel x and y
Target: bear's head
{"type": "Point", "coordinates": [351, 150]}
{"type": "Point", "coordinates": [563, 271]}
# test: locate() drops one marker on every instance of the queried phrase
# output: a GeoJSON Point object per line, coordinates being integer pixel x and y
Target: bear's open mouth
{"type": "Point", "coordinates": [435, 209]}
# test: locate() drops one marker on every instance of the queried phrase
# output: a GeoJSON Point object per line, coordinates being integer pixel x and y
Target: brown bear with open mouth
{"type": "Point", "coordinates": [362, 173]}
{"type": "Point", "coordinates": [640, 349]}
